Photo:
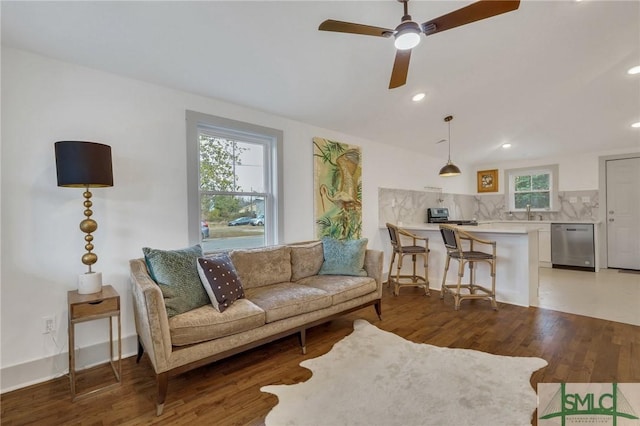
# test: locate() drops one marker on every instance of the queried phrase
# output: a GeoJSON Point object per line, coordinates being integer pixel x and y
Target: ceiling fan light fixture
{"type": "Point", "coordinates": [407, 35]}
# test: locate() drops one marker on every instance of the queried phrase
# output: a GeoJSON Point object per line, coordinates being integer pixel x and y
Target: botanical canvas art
{"type": "Point", "coordinates": [337, 189]}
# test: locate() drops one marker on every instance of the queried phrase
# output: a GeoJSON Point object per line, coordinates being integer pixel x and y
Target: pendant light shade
{"type": "Point", "coordinates": [449, 169]}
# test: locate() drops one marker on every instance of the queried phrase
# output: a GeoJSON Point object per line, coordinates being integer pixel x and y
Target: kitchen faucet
{"type": "Point", "coordinates": [529, 212]}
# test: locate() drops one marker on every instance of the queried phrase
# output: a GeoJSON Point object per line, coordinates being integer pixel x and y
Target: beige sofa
{"type": "Point", "coordinates": [284, 295]}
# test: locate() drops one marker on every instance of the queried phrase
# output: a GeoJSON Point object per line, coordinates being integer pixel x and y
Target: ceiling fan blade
{"type": "Point", "coordinates": [348, 27]}
{"type": "Point", "coordinates": [477, 11]}
{"type": "Point", "coordinates": [400, 68]}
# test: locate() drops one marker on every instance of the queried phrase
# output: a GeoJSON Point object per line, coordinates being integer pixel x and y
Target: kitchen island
{"type": "Point", "coordinates": [516, 267]}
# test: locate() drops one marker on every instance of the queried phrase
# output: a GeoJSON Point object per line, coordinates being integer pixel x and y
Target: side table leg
{"type": "Point", "coordinates": [119, 348]}
{"type": "Point", "coordinates": [72, 359]}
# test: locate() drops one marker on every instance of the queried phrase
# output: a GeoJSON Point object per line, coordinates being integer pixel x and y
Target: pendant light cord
{"type": "Point", "coordinates": [448, 119]}
{"type": "Point", "coordinates": [449, 169]}
{"type": "Point", "coordinates": [449, 123]}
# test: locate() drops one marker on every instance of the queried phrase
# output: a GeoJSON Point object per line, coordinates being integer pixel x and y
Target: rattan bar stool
{"type": "Point", "coordinates": [414, 250]}
{"type": "Point", "coordinates": [453, 238]}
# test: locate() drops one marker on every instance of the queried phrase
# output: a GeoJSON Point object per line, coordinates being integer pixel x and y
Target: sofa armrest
{"type": "Point", "coordinates": [152, 322]}
{"type": "Point", "coordinates": [373, 265]}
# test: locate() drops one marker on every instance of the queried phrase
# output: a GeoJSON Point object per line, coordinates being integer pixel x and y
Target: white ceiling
{"type": "Point", "coordinates": [550, 78]}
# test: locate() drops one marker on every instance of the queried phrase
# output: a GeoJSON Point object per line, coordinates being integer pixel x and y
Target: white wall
{"type": "Point", "coordinates": [44, 101]}
{"type": "Point", "coordinates": [577, 172]}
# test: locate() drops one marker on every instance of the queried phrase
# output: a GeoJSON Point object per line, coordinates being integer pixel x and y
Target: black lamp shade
{"type": "Point", "coordinates": [83, 164]}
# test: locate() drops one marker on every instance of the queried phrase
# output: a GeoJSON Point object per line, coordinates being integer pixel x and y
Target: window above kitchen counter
{"type": "Point", "coordinates": [536, 187]}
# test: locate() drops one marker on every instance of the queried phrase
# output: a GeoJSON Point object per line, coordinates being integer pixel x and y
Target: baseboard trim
{"type": "Point", "coordinates": [41, 370]}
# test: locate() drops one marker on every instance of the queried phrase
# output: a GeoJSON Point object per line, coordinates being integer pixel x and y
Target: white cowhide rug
{"type": "Point", "coordinates": [373, 377]}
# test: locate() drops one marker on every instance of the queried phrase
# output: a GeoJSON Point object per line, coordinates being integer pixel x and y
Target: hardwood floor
{"type": "Point", "coordinates": [577, 348]}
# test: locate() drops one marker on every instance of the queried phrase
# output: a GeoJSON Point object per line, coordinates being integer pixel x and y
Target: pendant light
{"type": "Point", "coordinates": [449, 169]}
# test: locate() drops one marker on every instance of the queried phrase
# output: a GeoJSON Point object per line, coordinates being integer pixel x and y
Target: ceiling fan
{"type": "Point", "coordinates": [407, 34]}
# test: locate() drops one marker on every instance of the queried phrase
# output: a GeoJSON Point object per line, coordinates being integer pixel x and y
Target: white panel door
{"type": "Point", "coordinates": [623, 213]}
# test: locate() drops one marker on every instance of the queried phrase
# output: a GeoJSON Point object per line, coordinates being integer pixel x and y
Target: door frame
{"type": "Point", "coordinates": [602, 210]}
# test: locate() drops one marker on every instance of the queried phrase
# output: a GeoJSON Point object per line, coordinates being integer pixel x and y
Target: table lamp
{"type": "Point", "coordinates": [85, 165]}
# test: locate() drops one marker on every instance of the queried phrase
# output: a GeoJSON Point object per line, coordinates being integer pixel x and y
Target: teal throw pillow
{"type": "Point", "coordinates": [343, 257]}
{"type": "Point", "coordinates": [176, 272]}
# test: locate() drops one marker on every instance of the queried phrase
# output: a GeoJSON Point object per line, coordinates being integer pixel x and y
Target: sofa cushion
{"type": "Point", "coordinates": [286, 300]}
{"type": "Point", "coordinates": [220, 280]}
{"type": "Point", "coordinates": [176, 273]}
{"type": "Point", "coordinates": [306, 260]}
{"type": "Point", "coordinates": [262, 266]}
{"type": "Point", "coordinates": [343, 257]}
{"type": "Point", "coordinates": [341, 287]}
{"type": "Point", "coordinates": [205, 323]}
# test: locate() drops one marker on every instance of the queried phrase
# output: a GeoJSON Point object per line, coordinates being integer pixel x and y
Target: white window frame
{"type": "Point", "coordinates": [551, 170]}
{"type": "Point", "coordinates": [271, 139]}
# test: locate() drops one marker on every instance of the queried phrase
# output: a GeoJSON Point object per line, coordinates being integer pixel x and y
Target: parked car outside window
{"type": "Point", "coordinates": [240, 221]}
{"type": "Point", "coordinates": [258, 221]}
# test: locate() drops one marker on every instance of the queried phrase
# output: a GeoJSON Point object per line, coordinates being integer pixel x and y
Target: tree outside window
{"type": "Point", "coordinates": [234, 179]}
{"type": "Point", "coordinates": [532, 190]}
{"type": "Point", "coordinates": [231, 191]}
{"type": "Point", "coordinates": [535, 187]}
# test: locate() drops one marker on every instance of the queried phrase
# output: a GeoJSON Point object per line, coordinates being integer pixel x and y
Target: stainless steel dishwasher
{"type": "Point", "coordinates": [572, 246]}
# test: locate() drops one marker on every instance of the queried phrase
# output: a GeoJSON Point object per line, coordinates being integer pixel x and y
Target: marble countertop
{"type": "Point", "coordinates": [595, 222]}
{"type": "Point", "coordinates": [495, 226]}
{"type": "Point", "coordinates": [473, 229]}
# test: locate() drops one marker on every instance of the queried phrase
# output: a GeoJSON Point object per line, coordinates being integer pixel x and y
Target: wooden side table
{"type": "Point", "coordinates": [89, 307]}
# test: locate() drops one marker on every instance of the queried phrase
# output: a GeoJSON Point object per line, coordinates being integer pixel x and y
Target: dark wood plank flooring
{"type": "Point", "coordinates": [577, 348]}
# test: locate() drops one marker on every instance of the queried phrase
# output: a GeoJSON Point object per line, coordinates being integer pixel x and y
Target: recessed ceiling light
{"type": "Point", "coordinates": [418, 97]}
{"type": "Point", "coordinates": [506, 145]}
{"type": "Point", "coordinates": [634, 70]}
{"type": "Point", "coordinates": [636, 125]}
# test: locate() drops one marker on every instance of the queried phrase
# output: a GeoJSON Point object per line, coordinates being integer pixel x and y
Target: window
{"type": "Point", "coordinates": [233, 184]}
{"type": "Point", "coordinates": [536, 188]}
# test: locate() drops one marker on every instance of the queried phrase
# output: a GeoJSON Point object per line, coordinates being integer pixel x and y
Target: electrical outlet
{"type": "Point", "coordinates": [48, 325]}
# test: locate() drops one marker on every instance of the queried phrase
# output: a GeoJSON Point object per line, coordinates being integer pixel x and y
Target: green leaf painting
{"type": "Point", "coordinates": [338, 189]}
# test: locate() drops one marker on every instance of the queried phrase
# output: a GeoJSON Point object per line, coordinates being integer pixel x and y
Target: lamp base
{"type": "Point", "coordinates": [90, 282]}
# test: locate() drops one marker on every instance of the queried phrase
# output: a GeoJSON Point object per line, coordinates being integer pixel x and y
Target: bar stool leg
{"type": "Point", "coordinates": [443, 289]}
{"type": "Point", "coordinates": [425, 257]}
{"type": "Point", "coordinates": [414, 277]}
{"type": "Point", "coordinates": [472, 277]}
{"type": "Point", "coordinates": [493, 285]}
{"type": "Point", "coordinates": [396, 287]}
{"type": "Point", "coordinates": [456, 296]}
{"type": "Point", "coordinates": [393, 258]}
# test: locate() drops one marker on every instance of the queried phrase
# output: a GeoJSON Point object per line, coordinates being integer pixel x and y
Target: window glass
{"type": "Point", "coordinates": [232, 196]}
{"type": "Point", "coordinates": [236, 185]}
{"type": "Point", "coordinates": [534, 188]}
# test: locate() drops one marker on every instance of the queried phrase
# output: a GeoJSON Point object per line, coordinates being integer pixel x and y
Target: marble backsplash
{"type": "Point", "coordinates": [401, 206]}
{"type": "Point", "coordinates": [574, 206]}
